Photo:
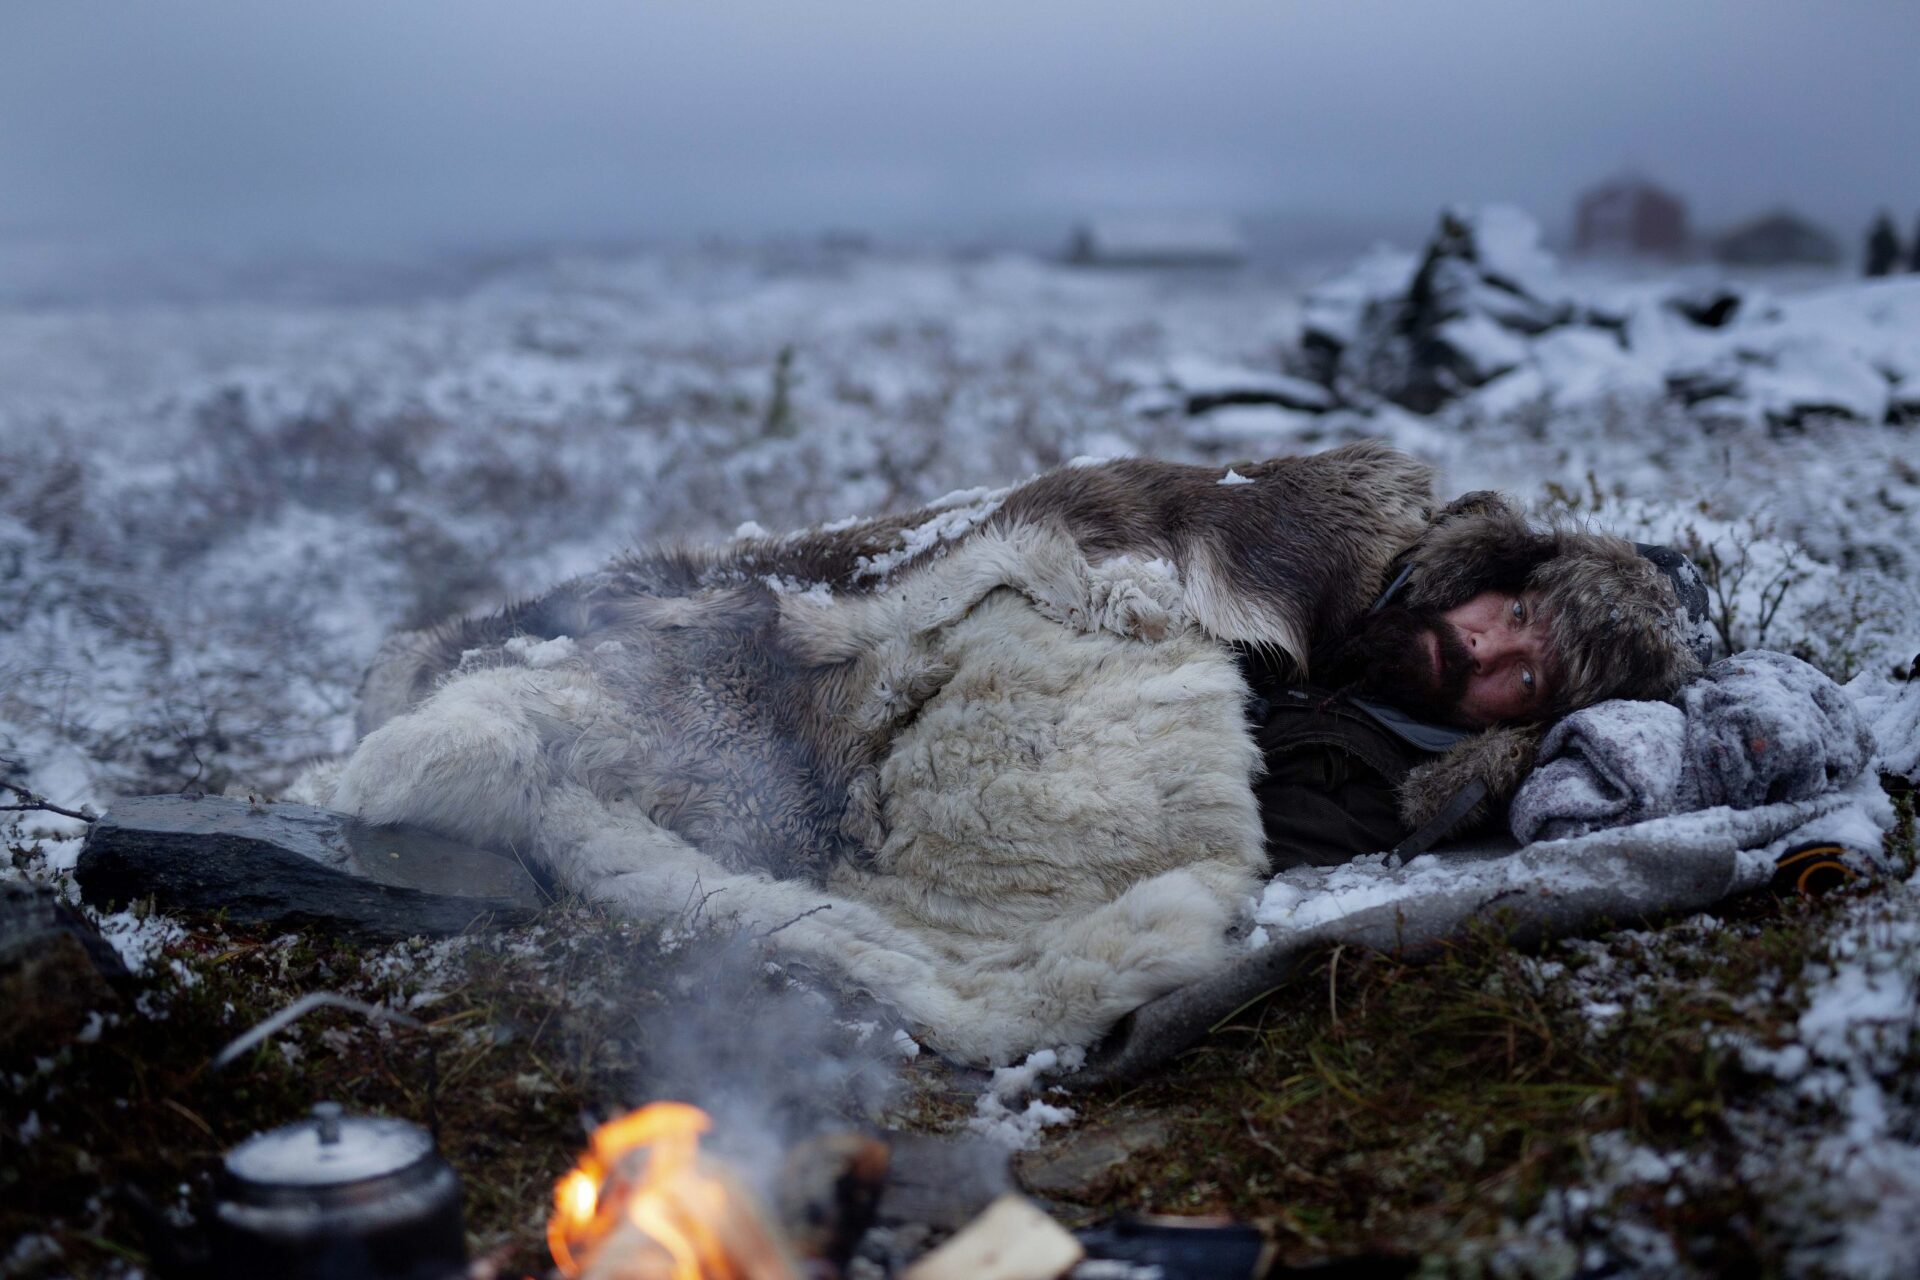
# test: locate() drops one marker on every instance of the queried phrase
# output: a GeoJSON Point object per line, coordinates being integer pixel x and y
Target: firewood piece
{"type": "Point", "coordinates": [1012, 1240]}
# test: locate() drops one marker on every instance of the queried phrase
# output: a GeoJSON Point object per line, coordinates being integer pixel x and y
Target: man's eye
{"type": "Point", "coordinates": [1526, 679]}
{"type": "Point", "coordinates": [1519, 611]}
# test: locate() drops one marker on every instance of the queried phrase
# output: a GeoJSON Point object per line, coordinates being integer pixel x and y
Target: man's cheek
{"type": "Point", "coordinates": [1477, 704]}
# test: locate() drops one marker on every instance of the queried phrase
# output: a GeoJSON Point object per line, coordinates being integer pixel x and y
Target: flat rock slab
{"type": "Point", "coordinates": [297, 865]}
{"type": "Point", "coordinates": [1073, 1166]}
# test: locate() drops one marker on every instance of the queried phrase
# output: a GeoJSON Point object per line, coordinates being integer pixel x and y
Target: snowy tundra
{"type": "Point", "coordinates": [212, 512]}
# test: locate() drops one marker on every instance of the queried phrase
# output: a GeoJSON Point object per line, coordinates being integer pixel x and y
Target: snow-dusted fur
{"type": "Point", "coordinates": [754, 689]}
{"type": "Point", "coordinates": [999, 738]}
{"type": "Point", "coordinates": [1291, 556]}
{"type": "Point", "coordinates": [1068, 826]}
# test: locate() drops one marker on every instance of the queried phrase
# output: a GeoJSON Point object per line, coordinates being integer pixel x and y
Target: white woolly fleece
{"type": "Point", "coordinates": [1068, 827]}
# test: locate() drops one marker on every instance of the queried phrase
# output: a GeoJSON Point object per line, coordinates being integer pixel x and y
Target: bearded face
{"type": "Point", "coordinates": [1410, 658]}
{"type": "Point", "coordinates": [1484, 662]}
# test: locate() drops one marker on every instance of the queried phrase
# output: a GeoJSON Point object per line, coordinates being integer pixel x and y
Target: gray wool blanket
{"type": "Point", "coordinates": [1637, 810]}
{"type": "Point", "coordinates": [1755, 729]}
{"type": "Point", "coordinates": [1550, 889]}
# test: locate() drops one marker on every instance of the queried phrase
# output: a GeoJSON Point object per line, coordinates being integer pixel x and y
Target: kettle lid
{"type": "Point", "coordinates": [329, 1149]}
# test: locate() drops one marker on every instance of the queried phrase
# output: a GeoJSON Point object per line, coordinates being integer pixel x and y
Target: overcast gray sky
{"type": "Point", "coordinates": [341, 124]}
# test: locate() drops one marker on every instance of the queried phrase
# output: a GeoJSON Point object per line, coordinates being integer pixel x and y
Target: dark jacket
{"type": "Point", "coordinates": [1334, 765]}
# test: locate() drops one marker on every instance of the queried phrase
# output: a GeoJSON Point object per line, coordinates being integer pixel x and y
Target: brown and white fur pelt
{"type": "Point", "coordinates": [758, 682]}
{"type": "Point", "coordinates": [1296, 554]}
{"type": "Point", "coordinates": [762, 726]}
{"type": "Point", "coordinates": [1070, 827]}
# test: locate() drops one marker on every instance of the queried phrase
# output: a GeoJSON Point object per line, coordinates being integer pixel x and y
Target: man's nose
{"type": "Point", "coordinates": [1489, 648]}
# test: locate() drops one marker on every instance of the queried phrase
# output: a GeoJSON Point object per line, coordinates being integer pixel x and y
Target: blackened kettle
{"type": "Point", "coordinates": [338, 1197]}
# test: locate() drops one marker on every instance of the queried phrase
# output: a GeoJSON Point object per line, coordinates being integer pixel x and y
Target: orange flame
{"type": "Point", "coordinates": [643, 1170]}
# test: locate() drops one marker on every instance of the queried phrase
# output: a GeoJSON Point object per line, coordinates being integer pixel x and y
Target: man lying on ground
{"type": "Point", "coordinates": [1482, 628]}
{"type": "Point", "coordinates": [1005, 737]}
{"type": "Point", "coordinates": [1421, 720]}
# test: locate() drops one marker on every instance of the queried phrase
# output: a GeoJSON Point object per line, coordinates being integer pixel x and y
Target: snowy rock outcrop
{"type": "Point", "coordinates": [1486, 319]}
{"type": "Point", "coordinates": [1462, 318]}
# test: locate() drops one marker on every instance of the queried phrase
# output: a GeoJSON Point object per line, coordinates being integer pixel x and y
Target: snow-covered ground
{"type": "Point", "coordinates": [211, 512]}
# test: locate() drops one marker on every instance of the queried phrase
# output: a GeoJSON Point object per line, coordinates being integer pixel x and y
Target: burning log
{"type": "Point", "coordinates": [643, 1204]}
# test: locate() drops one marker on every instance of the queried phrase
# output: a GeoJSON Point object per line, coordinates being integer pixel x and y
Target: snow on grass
{"type": "Point", "coordinates": [1892, 711]}
{"type": "Point", "coordinates": [1825, 1145]}
{"type": "Point", "coordinates": [1860, 1174]}
{"type": "Point", "coordinates": [139, 937]}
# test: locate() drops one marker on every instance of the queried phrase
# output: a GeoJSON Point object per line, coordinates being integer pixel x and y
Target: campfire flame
{"type": "Point", "coordinates": [642, 1205]}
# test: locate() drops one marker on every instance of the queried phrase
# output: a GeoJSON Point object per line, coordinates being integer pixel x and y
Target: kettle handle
{"type": "Point", "coordinates": [273, 1025]}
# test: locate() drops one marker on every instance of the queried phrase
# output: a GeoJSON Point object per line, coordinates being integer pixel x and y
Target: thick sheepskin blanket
{"type": "Point", "coordinates": [985, 760]}
{"type": "Point", "coordinates": [1058, 771]}
{"type": "Point", "coordinates": [1070, 832]}
{"type": "Point", "coordinates": [1064, 831]}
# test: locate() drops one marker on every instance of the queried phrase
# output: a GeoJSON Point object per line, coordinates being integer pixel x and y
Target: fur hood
{"type": "Point", "coordinates": [1619, 630]}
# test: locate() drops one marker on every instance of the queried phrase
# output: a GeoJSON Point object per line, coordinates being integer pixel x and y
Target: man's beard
{"type": "Point", "coordinates": [1385, 656]}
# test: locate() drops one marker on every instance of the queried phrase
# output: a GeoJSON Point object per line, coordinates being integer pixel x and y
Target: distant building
{"type": "Point", "coordinates": [1629, 215]}
{"type": "Point", "coordinates": [1163, 241]}
{"type": "Point", "coordinates": [1778, 239]}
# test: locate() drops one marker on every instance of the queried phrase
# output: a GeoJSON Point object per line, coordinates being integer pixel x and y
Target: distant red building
{"type": "Point", "coordinates": [1629, 215]}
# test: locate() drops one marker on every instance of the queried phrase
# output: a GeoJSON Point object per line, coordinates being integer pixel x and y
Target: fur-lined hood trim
{"type": "Point", "coordinates": [1618, 628]}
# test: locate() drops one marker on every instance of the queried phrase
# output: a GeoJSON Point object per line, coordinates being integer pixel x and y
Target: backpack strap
{"type": "Point", "coordinates": [1442, 822]}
